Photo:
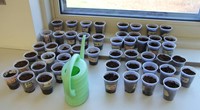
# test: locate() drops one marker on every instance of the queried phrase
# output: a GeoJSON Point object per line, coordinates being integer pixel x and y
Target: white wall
{"type": "Point", "coordinates": [17, 25]}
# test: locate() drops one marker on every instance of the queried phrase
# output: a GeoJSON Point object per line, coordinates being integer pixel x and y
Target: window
{"type": "Point", "coordinates": [161, 9]}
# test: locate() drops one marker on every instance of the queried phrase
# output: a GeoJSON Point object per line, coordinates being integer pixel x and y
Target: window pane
{"type": "Point", "coordinates": [180, 6]}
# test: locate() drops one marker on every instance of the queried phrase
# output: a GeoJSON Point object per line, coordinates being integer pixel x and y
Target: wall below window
{"type": "Point", "coordinates": [20, 23]}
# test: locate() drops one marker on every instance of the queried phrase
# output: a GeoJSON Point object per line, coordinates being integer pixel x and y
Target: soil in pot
{"type": "Point", "coordinates": [169, 46]}
{"type": "Point", "coordinates": [31, 54]}
{"type": "Point", "coordinates": [98, 37]}
{"type": "Point", "coordinates": [133, 66]}
{"type": "Point", "coordinates": [155, 38]}
{"type": "Point", "coordinates": [151, 26]}
{"type": "Point", "coordinates": [117, 41]}
{"type": "Point", "coordinates": [9, 74]}
{"type": "Point", "coordinates": [51, 46]}
{"type": "Point", "coordinates": [48, 56]}
{"type": "Point", "coordinates": [149, 68]}
{"type": "Point", "coordinates": [38, 45]}
{"type": "Point", "coordinates": [86, 23]}
{"type": "Point", "coordinates": [94, 51]}
{"type": "Point", "coordinates": [164, 58]}
{"type": "Point", "coordinates": [112, 64]}
{"type": "Point", "coordinates": [71, 22]}
{"type": "Point", "coordinates": [70, 34]}
{"type": "Point", "coordinates": [111, 77]}
{"type": "Point", "coordinates": [143, 39]}
{"type": "Point", "coordinates": [171, 84]}
{"type": "Point", "coordinates": [170, 39]}
{"type": "Point", "coordinates": [149, 79]}
{"type": "Point", "coordinates": [189, 72]}
{"type": "Point", "coordinates": [25, 77]}
{"type": "Point", "coordinates": [21, 64]}
{"type": "Point", "coordinates": [77, 48]}
{"type": "Point", "coordinates": [166, 27]}
{"type": "Point", "coordinates": [130, 53]}
{"type": "Point", "coordinates": [58, 34]}
{"type": "Point", "coordinates": [129, 40]}
{"type": "Point", "coordinates": [64, 58]}
{"type": "Point", "coordinates": [154, 44]}
{"type": "Point", "coordinates": [167, 69]}
{"type": "Point", "coordinates": [38, 66]}
{"type": "Point", "coordinates": [58, 68]}
{"type": "Point", "coordinates": [99, 23]}
{"type": "Point", "coordinates": [147, 56]}
{"type": "Point", "coordinates": [56, 22]}
{"type": "Point", "coordinates": [179, 59]}
{"type": "Point", "coordinates": [65, 48]}
{"type": "Point", "coordinates": [115, 54]}
{"type": "Point", "coordinates": [131, 77]}
{"type": "Point", "coordinates": [44, 78]}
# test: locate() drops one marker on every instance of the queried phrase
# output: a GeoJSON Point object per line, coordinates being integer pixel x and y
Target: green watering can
{"type": "Point", "coordinates": [75, 78]}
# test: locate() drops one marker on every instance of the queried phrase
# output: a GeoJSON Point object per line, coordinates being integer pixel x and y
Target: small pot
{"type": "Point", "coordinates": [187, 75]}
{"type": "Point", "coordinates": [59, 37]}
{"type": "Point", "coordinates": [49, 59]}
{"type": "Point", "coordinates": [21, 65]}
{"type": "Point", "coordinates": [110, 80]}
{"type": "Point", "coordinates": [123, 26]}
{"type": "Point", "coordinates": [71, 37]}
{"type": "Point", "coordinates": [87, 37]}
{"type": "Point", "coordinates": [10, 76]}
{"type": "Point", "coordinates": [136, 27]}
{"type": "Point", "coordinates": [56, 69]}
{"type": "Point", "coordinates": [100, 26]}
{"type": "Point", "coordinates": [166, 70]}
{"type": "Point", "coordinates": [71, 25]}
{"type": "Point", "coordinates": [76, 49]}
{"type": "Point", "coordinates": [131, 54]}
{"type": "Point", "coordinates": [31, 56]}
{"type": "Point", "coordinates": [170, 39]}
{"type": "Point", "coordinates": [171, 86]}
{"type": "Point", "coordinates": [133, 65]}
{"type": "Point", "coordinates": [178, 62]}
{"type": "Point", "coordinates": [142, 43]}
{"type": "Point", "coordinates": [152, 29]}
{"type": "Point", "coordinates": [168, 47]}
{"type": "Point", "coordinates": [165, 30]}
{"type": "Point", "coordinates": [134, 34]}
{"type": "Point", "coordinates": [116, 42]}
{"type": "Point", "coordinates": [38, 67]}
{"type": "Point", "coordinates": [147, 56]}
{"type": "Point", "coordinates": [121, 34]}
{"type": "Point", "coordinates": [129, 43]}
{"type": "Point", "coordinates": [46, 82]}
{"type": "Point", "coordinates": [155, 38]}
{"type": "Point", "coordinates": [93, 55]}
{"type": "Point", "coordinates": [154, 46]}
{"type": "Point", "coordinates": [46, 36]}
{"type": "Point", "coordinates": [86, 26]}
{"type": "Point", "coordinates": [149, 82]}
{"type": "Point", "coordinates": [51, 47]}
{"type": "Point", "coordinates": [27, 80]}
{"type": "Point", "coordinates": [57, 25]}
{"type": "Point", "coordinates": [115, 54]}
{"type": "Point", "coordinates": [40, 48]}
{"type": "Point", "coordinates": [130, 81]}
{"type": "Point", "coordinates": [163, 59]}
{"type": "Point", "coordinates": [98, 40]}
{"type": "Point", "coordinates": [150, 67]}
{"type": "Point", "coordinates": [64, 48]}
{"type": "Point", "coordinates": [112, 65]}
{"type": "Point", "coordinates": [63, 57]}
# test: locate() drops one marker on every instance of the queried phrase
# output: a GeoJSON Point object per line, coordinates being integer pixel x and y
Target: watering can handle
{"type": "Point", "coordinates": [71, 63]}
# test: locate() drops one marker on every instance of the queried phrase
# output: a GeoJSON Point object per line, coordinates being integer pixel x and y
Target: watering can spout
{"type": "Point", "coordinates": [82, 47]}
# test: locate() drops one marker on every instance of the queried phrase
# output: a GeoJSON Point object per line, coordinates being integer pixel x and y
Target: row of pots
{"type": "Point", "coordinates": [71, 37]}
{"type": "Point", "coordinates": [143, 43]}
{"type": "Point", "coordinates": [100, 27]}
{"type": "Point", "coordinates": [85, 25]}
{"type": "Point", "coordinates": [150, 69]}
{"type": "Point", "coordinates": [151, 28]}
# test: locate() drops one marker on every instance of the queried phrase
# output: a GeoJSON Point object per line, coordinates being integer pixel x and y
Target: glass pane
{"type": "Point", "coordinates": [180, 6]}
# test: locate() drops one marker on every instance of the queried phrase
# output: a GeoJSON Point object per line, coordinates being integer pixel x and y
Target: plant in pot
{"type": "Point", "coordinates": [129, 43]}
{"type": "Point", "coordinates": [133, 65]}
{"type": "Point", "coordinates": [63, 57]}
{"type": "Point", "coordinates": [86, 26]}
{"type": "Point", "coordinates": [178, 61]}
{"type": "Point", "coordinates": [166, 70]}
{"type": "Point", "coordinates": [123, 26]}
{"type": "Point", "coordinates": [152, 29]}
{"type": "Point", "coordinates": [147, 56]}
{"type": "Point", "coordinates": [135, 27]}
{"type": "Point", "coordinates": [98, 40]}
{"type": "Point", "coordinates": [165, 30]}
{"type": "Point", "coordinates": [93, 55]}
{"type": "Point", "coordinates": [100, 26]}
{"type": "Point", "coordinates": [64, 48]}
{"type": "Point", "coordinates": [59, 37]}
{"type": "Point", "coordinates": [71, 37]}
{"type": "Point", "coordinates": [154, 46]}
{"type": "Point", "coordinates": [115, 54]}
{"type": "Point", "coordinates": [40, 48]}
{"type": "Point", "coordinates": [116, 42]}
{"type": "Point", "coordinates": [46, 36]}
{"type": "Point", "coordinates": [142, 43]}
{"type": "Point", "coordinates": [112, 65]}
{"type": "Point", "coordinates": [131, 54]}
{"type": "Point", "coordinates": [188, 73]}
{"type": "Point", "coordinates": [57, 25]}
{"type": "Point", "coordinates": [87, 37]}
{"type": "Point", "coordinates": [71, 25]}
